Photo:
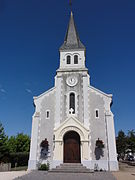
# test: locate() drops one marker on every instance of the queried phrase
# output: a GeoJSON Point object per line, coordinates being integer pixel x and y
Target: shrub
{"type": "Point", "coordinates": [44, 167]}
{"type": "Point", "coordinates": [20, 158]}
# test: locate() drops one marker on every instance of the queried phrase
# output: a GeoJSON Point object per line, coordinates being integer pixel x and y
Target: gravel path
{"type": "Point", "coordinates": [41, 175]}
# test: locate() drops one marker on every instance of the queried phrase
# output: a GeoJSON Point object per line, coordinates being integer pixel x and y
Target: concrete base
{"type": "Point", "coordinates": [114, 166]}
{"type": "Point", "coordinates": [56, 163]}
{"type": "Point", "coordinates": [101, 164]}
{"type": "Point", "coordinates": [32, 165]}
{"type": "Point", "coordinates": [91, 164]}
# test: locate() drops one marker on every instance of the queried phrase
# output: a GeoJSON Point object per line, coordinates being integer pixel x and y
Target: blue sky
{"type": "Point", "coordinates": [31, 32]}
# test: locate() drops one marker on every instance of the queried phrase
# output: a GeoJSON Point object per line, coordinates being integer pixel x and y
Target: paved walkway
{"type": "Point", "coordinates": [126, 173]}
{"type": "Point", "coordinates": [10, 175]}
{"type": "Point", "coordinates": [40, 175]}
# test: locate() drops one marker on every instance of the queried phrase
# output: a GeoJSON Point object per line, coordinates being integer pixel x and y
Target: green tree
{"type": "Point", "coordinates": [19, 143]}
{"type": "Point", "coordinates": [19, 147]}
{"type": "Point", "coordinates": [3, 144]}
{"type": "Point", "coordinates": [12, 144]}
{"type": "Point", "coordinates": [131, 140]}
{"type": "Point", "coordinates": [121, 143]}
{"type": "Point", "coordinates": [22, 143]}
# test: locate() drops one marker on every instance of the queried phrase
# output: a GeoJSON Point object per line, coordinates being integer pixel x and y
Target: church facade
{"type": "Point", "coordinates": [73, 122]}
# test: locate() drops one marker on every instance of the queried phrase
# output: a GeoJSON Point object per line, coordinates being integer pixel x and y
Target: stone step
{"type": "Point", "coordinates": [71, 171]}
{"type": "Point", "coordinates": [71, 168]}
{"type": "Point", "coordinates": [79, 167]}
{"type": "Point", "coordinates": [75, 164]}
{"type": "Point", "coordinates": [72, 164]}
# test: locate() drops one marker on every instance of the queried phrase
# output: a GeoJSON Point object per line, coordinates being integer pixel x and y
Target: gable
{"type": "Point", "coordinates": [38, 99]}
{"type": "Point", "coordinates": [71, 124]}
{"type": "Point", "coordinates": [46, 93]}
{"type": "Point", "coordinates": [107, 98]}
{"type": "Point", "coordinates": [99, 92]}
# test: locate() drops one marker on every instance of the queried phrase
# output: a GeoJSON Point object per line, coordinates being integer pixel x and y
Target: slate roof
{"type": "Point", "coordinates": [72, 40]}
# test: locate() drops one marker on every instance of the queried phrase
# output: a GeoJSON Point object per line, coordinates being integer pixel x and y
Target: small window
{"type": "Point", "coordinates": [68, 59]}
{"type": "Point", "coordinates": [97, 113]}
{"type": "Point", "coordinates": [47, 114]}
{"type": "Point", "coordinates": [75, 59]}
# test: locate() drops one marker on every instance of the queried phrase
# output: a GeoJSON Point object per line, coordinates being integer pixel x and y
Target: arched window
{"type": "Point", "coordinates": [68, 59]}
{"type": "Point", "coordinates": [72, 103]}
{"type": "Point", "coordinates": [75, 59]}
{"type": "Point", "coordinates": [97, 113]}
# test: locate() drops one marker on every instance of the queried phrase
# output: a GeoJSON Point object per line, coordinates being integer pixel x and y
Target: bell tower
{"type": "Point", "coordinates": [72, 79]}
{"type": "Point", "coordinates": [72, 51]}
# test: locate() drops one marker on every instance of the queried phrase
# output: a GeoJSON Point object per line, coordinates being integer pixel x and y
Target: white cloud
{"type": "Point", "coordinates": [3, 90]}
{"type": "Point", "coordinates": [28, 90]}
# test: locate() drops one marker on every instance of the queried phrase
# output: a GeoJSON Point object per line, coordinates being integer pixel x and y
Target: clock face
{"type": "Point", "coordinates": [71, 81]}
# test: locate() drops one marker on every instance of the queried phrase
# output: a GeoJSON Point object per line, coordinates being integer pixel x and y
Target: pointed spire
{"type": "Point", "coordinates": [72, 40]}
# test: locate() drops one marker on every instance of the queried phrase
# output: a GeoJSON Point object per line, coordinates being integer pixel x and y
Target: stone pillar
{"type": "Point", "coordinates": [58, 100]}
{"type": "Point", "coordinates": [32, 164]}
{"type": "Point", "coordinates": [112, 154]}
{"type": "Point", "coordinates": [85, 99]}
{"type": "Point", "coordinates": [58, 153]}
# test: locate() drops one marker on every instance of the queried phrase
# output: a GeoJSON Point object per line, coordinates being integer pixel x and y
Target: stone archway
{"type": "Point", "coordinates": [72, 152]}
{"type": "Point", "coordinates": [73, 125]}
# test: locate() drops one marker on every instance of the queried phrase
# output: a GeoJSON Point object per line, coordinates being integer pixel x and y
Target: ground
{"type": "Point", "coordinates": [67, 176]}
{"type": "Point", "coordinates": [126, 173]}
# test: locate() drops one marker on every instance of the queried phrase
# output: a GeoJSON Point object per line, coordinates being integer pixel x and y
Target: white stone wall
{"type": "Point", "coordinates": [81, 59]}
{"type": "Point", "coordinates": [42, 127]}
{"type": "Point", "coordinates": [102, 128]}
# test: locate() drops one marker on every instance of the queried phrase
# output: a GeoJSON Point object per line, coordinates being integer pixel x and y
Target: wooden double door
{"type": "Point", "coordinates": [72, 147]}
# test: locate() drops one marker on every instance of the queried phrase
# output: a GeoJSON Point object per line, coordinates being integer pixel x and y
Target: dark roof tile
{"type": "Point", "coordinates": [72, 40]}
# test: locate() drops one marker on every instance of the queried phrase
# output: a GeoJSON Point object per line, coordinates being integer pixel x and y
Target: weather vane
{"type": "Point", "coordinates": [70, 4]}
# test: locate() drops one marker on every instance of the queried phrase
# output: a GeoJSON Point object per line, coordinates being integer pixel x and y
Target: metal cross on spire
{"type": "Point", "coordinates": [70, 4]}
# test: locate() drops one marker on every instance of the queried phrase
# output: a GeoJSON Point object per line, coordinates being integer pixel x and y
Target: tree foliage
{"type": "Point", "coordinates": [15, 148]}
{"type": "Point", "coordinates": [19, 159]}
{"type": "Point", "coordinates": [19, 147]}
{"type": "Point", "coordinates": [22, 143]}
{"type": "Point", "coordinates": [131, 140]}
{"type": "Point", "coordinates": [12, 144]}
{"type": "Point", "coordinates": [125, 142]}
{"type": "Point", "coordinates": [19, 143]}
{"type": "Point", "coordinates": [3, 143]}
{"type": "Point", "coordinates": [121, 143]}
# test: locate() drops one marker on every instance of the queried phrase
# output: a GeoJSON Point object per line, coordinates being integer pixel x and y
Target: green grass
{"type": "Point", "coordinates": [21, 168]}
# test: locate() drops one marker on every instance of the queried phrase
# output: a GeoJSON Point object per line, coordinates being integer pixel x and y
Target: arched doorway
{"type": "Point", "coordinates": [72, 152]}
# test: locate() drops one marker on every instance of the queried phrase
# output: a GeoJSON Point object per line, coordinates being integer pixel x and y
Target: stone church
{"type": "Point", "coordinates": [73, 122]}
